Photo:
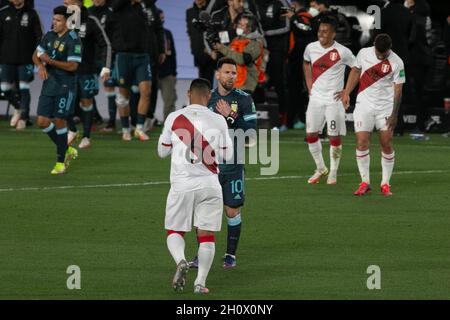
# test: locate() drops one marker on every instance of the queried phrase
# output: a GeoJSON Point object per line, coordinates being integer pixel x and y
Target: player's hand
{"type": "Point", "coordinates": [213, 55]}
{"type": "Point", "coordinates": [391, 122]}
{"type": "Point", "coordinates": [42, 72]}
{"type": "Point", "coordinates": [223, 108]}
{"type": "Point", "coordinates": [338, 95]}
{"type": "Point", "coordinates": [162, 58]}
{"type": "Point", "coordinates": [45, 58]}
{"type": "Point", "coordinates": [345, 97]}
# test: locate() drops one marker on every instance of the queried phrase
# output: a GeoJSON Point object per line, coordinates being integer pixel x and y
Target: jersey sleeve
{"type": "Point", "coordinates": [358, 60]}
{"type": "Point", "coordinates": [399, 73]}
{"type": "Point", "coordinates": [42, 46]}
{"type": "Point", "coordinates": [349, 59]}
{"type": "Point", "coordinates": [248, 114]}
{"type": "Point", "coordinates": [306, 54]}
{"type": "Point", "coordinates": [74, 49]}
{"type": "Point", "coordinates": [165, 141]}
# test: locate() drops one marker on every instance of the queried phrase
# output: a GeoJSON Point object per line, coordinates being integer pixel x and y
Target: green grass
{"type": "Point", "coordinates": [298, 241]}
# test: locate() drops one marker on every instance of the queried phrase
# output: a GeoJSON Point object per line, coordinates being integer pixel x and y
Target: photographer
{"type": "Point", "coordinates": [247, 50]}
{"type": "Point", "coordinates": [202, 60]}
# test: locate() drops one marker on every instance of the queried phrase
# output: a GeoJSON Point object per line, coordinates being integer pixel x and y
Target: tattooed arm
{"type": "Point", "coordinates": [392, 120]}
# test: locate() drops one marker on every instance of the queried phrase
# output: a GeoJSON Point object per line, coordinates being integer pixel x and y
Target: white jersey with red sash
{"type": "Point", "coordinates": [376, 83]}
{"type": "Point", "coordinates": [328, 68]}
{"type": "Point", "coordinates": [195, 136]}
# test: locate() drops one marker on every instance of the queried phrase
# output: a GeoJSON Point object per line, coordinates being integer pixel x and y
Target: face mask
{"type": "Point", "coordinates": [239, 31]}
{"type": "Point", "coordinates": [313, 12]}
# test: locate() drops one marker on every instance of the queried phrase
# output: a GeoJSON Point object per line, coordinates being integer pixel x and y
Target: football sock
{"type": "Point", "coordinates": [335, 154]}
{"type": "Point", "coordinates": [112, 107]}
{"type": "Point", "coordinates": [176, 244]}
{"type": "Point", "coordinates": [71, 123]}
{"type": "Point", "coordinates": [363, 160]}
{"type": "Point", "coordinates": [387, 165]}
{"type": "Point", "coordinates": [234, 233]}
{"type": "Point", "coordinates": [206, 252]}
{"type": "Point", "coordinates": [25, 99]}
{"type": "Point", "coordinates": [51, 132]}
{"type": "Point", "coordinates": [87, 120]}
{"type": "Point", "coordinates": [61, 145]}
{"type": "Point", "coordinates": [315, 148]}
{"type": "Point", "coordinates": [125, 121]}
{"type": "Point", "coordinates": [140, 121]}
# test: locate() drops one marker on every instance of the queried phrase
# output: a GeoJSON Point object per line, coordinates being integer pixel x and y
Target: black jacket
{"type": "Point", "coordinates": [20, 33]}
{"type": "Point", "coordinates": [127, 27]}
{"type": "Point", "coordinates": [156, 30]}
{"type": "Point", "coordinates": [93, 36]}
{"type": "Point", "coordinates": [196, 37]}
{"type": "Point", "coordinates": [169, 67]}
{"type": "Point", "coordinates": [397, 22]}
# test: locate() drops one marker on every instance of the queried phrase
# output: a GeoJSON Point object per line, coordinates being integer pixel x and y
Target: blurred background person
{"type": "Point", "coordinates": [168, 72]}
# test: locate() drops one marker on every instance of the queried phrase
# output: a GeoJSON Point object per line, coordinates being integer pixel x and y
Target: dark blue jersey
{"type": "Point", "coordinates": [65, 48]}
{"type": "Point", "coordinates": [241, 103]}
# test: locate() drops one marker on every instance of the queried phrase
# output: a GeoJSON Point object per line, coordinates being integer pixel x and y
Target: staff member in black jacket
{"type": "Point", "coordinates": [20, 33]}
{"type": "Point", "coordinates": [92, 35]}
{"type": "Point", "coordinates": [202, 60]}
{"type": "Point", "coordinates": [128, 31]}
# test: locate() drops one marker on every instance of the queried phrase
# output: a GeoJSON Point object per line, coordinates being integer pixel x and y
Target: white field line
{"type": "Point", "coordinates": [152, 183]}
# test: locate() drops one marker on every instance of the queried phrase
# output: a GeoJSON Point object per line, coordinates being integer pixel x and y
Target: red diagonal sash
{"type": "Point", "coordinates": [324, 63]}
{"type": "Point", "coordinates": [373, 74]}
{"type": "Point", "coordinates": [206, 154]}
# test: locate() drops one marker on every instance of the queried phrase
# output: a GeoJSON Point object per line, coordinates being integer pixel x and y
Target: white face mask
{"type": "Point", "coordinates": [313, 12]}
{"type": "Point", "coordinates": [239, 31]}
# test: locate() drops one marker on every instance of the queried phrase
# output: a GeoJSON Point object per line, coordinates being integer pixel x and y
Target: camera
{"type": "Point", "coordinates": [210, 28]}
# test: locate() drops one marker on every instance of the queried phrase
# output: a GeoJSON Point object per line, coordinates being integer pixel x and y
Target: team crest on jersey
{"type": "Point", "coordinates": [234, 106]}
{"type": "Point", "coordinates": [61, 47]}
{"type": "Point", "coordinates": [24, 21]}
{"type": "Point", "coordinates": [385, 68]}
{"type": "Point", "coordinates": [56, 44]}
{"type": "Point", "coordinates": [333, 56]}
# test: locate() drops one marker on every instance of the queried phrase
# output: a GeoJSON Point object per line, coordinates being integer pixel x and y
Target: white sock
{"type": "Point", "coordinates": [335, 157]}
{"type": "Point", "coordinates": [206, 252]}
{"type": "Point", "coordinates": [316, 152]}
{"type": "Point", "coordinates": [387, 165]}
{"type": "Point", "coordinates": [176, 244]}
{"type": "Point", "coordinates": [363, 160]}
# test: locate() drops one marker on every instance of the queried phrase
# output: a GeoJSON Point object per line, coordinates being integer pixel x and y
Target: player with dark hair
{"type": "Point", "coordinates": [57, 58]}
{"type": "Point", "coordinates": [195, 137]}
{"type": "Point", "coordinates": [324, 66]}
{"type": "Point", "coordinates": [380, 73]}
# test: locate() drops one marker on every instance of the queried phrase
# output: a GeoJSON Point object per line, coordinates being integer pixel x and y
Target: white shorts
{"type": "Point", "coordinates": [366, 117]}
{"type": "Point", "coordinates": [205, 204]}
{"type": "Point", "coordinates": [319, 113]}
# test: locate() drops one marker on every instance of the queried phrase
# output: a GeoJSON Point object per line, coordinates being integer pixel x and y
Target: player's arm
{"type": "Point", "coordinates": [42, 70]}
{"type": "Point", "coordinates": [392, 120]}
{"type": "Point", "coordinates": [308, 75]}
{"type": "Point", "coordinates": [249, 117]}
{"type": "Point", "coordinates": [352, 81]}
{"type": "Point", "coordinates": [70, 66]}
{"type": "Point", "coordinates": [105, 48]}
{"type": "Point", "coordinates": [226, 151]}
{"type": "Point", "coordinates": [165, 141]}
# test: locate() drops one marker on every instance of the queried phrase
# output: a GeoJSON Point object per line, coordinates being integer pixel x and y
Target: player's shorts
{"type": "Point", "coordinates": [366, 117]}
{"type": "Point", "coordinates": [55, 106]}
{"type": "Point", "coordinates": [206, 205]}
{"type": "Point", "coordinates": [10, 73]}
{"type": "Point", "coordinates": [87, 86]}
{"type": "Point", "coordinates": [132, 68]}
{"type": "Point", "coordinates": [233, 187]}
{"type": "Point", "coordinates": [321, 112]}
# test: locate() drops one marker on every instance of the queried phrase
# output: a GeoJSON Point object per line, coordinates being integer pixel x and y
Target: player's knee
{"type": "Point", "coordinates": [121, 101]}
{"type": "Point", "coordinates": [43, 122]}
{"type": "Point", "coordinates": [204, 233]}
{"type": "Point", "coordinates": [232, 212]}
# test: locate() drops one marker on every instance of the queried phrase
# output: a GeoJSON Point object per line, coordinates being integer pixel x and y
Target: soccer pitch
{"type": "Point", "coordinates": [299, 241]}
